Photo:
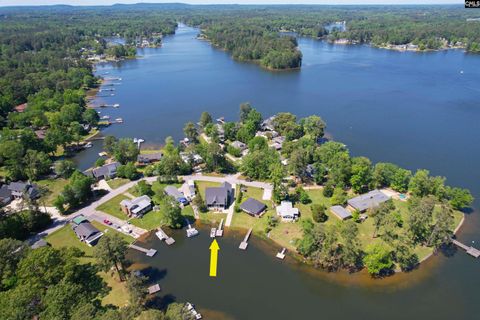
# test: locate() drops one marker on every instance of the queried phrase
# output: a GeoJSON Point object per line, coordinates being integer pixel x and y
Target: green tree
{"type": "Point", "coordinates": [64, 168]}
{"type": "Point", "coordinates": [111, 252]}
{"type": "Point", "coordinates": [128, 171]}
{"type": "Point", "coordinates": [245, 109]}
{"type": "Point", "coordinates": [137, 290]}
{"type": "Point", "coordinates": [318, 212]}
{"type": "Point", "coordinates": [314, 126]}
{"type": "Point", "coordinates": [91, 117]}
{"type": "Point", "coordinates": [125, 150]}
{"type": "Point", "coordinates": [442, 232]}
{"type": "Point", "coordinates": [361, 174]}
{"type": "Point", "coordinates": [459, 198]}
{"type": "Point", "coordinates": [339, 197]}
{"type": "Point", "coordinates": [191, 132]}
{"type": "Point", "coordinates": [378, 259]}
{"type": "Point", "coordinates": [172, 213]}
{"type": "Point", "coordinates": [420, 218]}
{"type": "Point", "coordinates": [205, 118]}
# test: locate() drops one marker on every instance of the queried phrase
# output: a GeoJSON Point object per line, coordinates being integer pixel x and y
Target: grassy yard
{"type": "Point", "coordinates": [65, 237]}
{"type": "Point", "coordinates": [117, 182]}
{"type": "Point", "coordinates": [202, 185]}
{"type": "Point", "coordinates": [112, 207]}
{"type": "Point", "coordinates": [54, 186]}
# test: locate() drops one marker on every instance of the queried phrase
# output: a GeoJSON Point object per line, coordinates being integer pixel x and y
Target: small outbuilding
{"type": "Point", "coordinates": [340, 212]}
{"type": "Point", "coordinates": [253, 207]}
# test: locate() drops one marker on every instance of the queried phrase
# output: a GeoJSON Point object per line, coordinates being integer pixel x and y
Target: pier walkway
{"type": "Point", "coordinates": [474, 252]}
{"type": "Point", "coordinates": [244, 244]}
{"type": "Point", "coordinates": [163, 236]}
{"type": "Point", "coordinates": [148, 252]}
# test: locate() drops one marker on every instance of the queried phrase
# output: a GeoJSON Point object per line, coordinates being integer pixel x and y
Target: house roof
{"type": "Point", "coordinates": [138, 204]}
{"type": "Point", "coordinates": [239, 145]}
{"type": "Point", "coordinates": [218, 195]}
{"type": "Point", "coordinates": [106, 170]}
{"type": "Point", "coordinates": [147, 157]}
{"type": "Point", "coordinates": [173, 192]}
{"type": "Point", "coordinates": [368, 200]}
{"type": "Point", "coordinates": [5, 192]}
{"type": "Point", "coordinates": [21, 107]}
{"type": "Point", "coordinates": [85, 230]}
{"type": "Point", "coordinates": [79, 219]}
{"type": "Point", "coordinates": [253, 206]}
{"type": "Point", "coordinates": [286, 209]}
{"type": "Point", "coordinates": [340, 212]}
{"type": "Point", "coordinates": [19, 187]}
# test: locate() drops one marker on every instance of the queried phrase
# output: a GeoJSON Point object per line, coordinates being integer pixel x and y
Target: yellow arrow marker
{"type": "Point", "coordinates": [213, 258]}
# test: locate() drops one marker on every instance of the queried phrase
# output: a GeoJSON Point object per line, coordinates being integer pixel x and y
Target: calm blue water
{"type": "Point", "coordinates": [415, 109]}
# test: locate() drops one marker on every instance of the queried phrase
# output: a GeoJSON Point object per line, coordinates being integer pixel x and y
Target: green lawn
{"type": "Point", "coordinates": [54, 186]}
{"type": "Point", "coordinates": [117, 182]}
{"type": "Point", "coordinates": [202, 185]}
{"type": "Point", "coordinates": [112, 207]}
{"type": "Point", "coordinates": [65, 237]}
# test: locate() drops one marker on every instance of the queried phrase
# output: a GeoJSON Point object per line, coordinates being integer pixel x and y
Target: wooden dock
{"type": "Point", "coordinates": [163, 236]}
{"type": "Point", "coordinates": [148, 252]}
{"type": "Point", "coordinates": [154, 289]}
{"type": "Point", "coordinates": [474, 252]}
{"type": "Point", "coordinates": [220, 229]}
{"type": "Point", "coordinates": [244, 244]}
{"type": "Point", "coordinates": [281, 254]}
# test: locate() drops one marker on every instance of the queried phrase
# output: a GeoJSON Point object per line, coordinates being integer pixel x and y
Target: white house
{"type": "Point", "coordinates": [287, 212]}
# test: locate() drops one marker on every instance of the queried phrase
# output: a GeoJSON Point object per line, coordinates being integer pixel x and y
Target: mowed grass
{"type": "Point", "coordinates": [54, 187]}
{"type": "Point", "coordinates": [65, 237]}
{"type": "Point", "coordinates": [203, 185]}
{"type": "Point", "coordinates": [117, 182]}
{"type": "Point", "coordinates": [112, 207]}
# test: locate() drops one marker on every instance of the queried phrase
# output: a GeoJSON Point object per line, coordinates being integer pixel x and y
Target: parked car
{"type": "Point", "coordinates": [107, 222]}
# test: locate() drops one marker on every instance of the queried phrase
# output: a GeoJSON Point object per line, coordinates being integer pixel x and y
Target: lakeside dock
{"type": "Point", "coordinates": [244, 243]}
{"type": "Point", "coordinates": [474, 252]}
{"type": "Point", "coordinates": [148, 252]}
{"type": "Point", "coordinates": [164, 237]}
{"type": "Point", "coordinates": [219, 232]}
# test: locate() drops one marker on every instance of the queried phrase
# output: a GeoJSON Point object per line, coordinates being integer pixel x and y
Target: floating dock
{"type": "Point", "coordinates": [281, 254]}
{"type": "Point", "coordinates": [148, 252]}
{"type": "Point", "coordinates": [244, 244]}
{"type": "Point", "coordinates": [474, 252]}
{"type": "Point", "coordinates": [163, 236]}
{"type": "Point", "coordinates": [213, 232]}
{"type": "Point", "coordinates": [154, 289]}
{"type": "Point", "coordinates": [219, 232]}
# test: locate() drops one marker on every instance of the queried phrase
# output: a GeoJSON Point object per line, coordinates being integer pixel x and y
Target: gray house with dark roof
{"type": "Point", "coordinates": [368, 200]}
{"type": "Point", "coordinates": [146, 158]}
{"type": "Point", "coordinates": [340, 212]}
{"type": "Point", "coordinates": [219, 198]}
{"type": "Point", "coordinates": [21, 189]}
{"type": "Point", "coordinates": [253, 207]}
{"type": "Point", "coordinates": [85, 231]}
{"type": "Point", "coordinates": [5, 195]}
{"type": "Point", "coordinates": [107, 171]}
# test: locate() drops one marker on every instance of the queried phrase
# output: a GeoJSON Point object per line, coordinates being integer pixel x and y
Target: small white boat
{"type": "Point", "coordinates": [102, 154]}
{"type": "Point", "coordinates": [116, 105]}
{"type": "Point", "coordinates": [119, 120]}
{"type": "Point", "coordinates": [105, 118]}
{"type": "Point", "coordinates": [88, 145]}
{"type": "Point", "coordinates": [160, 235]}
{"type": "Point", "coordinates": [189, 306]}
{"type": "Point", "coordinates": [213, 232]}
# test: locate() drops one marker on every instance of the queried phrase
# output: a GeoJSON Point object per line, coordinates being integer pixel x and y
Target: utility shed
{"type": "Point", "coordinates": [340, 212]}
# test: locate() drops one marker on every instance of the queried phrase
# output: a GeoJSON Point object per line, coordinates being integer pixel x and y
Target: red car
{"type": "Point", "coordinates": [108, 222]}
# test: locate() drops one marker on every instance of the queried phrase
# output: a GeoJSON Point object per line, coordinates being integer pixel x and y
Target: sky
{"type": "Point", "coordinates": [109, 2]}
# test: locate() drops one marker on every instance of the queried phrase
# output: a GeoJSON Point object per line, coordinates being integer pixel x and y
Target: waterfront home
{"type": "Point", "coordinates": [5, 195]}
{"type": "Point", "coordinates": [253, 207]}
{"type": "Point", "coordinates": [85, 231]}
{"type": "Point", "coordinates": [21, 190]}
{"type": "Point", "coordinates": [340, 212]}
{"type": "Point", "coordinates": [277, 142]}
{"type": "Point", "coordinates": [267, 124]}
{"type": "Point", "coordinates": [147, 158]}
{"type": "Point", "coordinates": [287, 212]}
{"type": "Point", "coordinates": [194, 158]}
{"type": "Point", "coordinates": [367, 201]}
{"type": "Point", "coordinates": [136, 207]}
{"type": "Point", "coordinates": [219, 198]}
{"type": "Point", "coordinates": [107, 171]}
{"type": "Point", "coordinates": [177, 195]}
{"type": "Point", "coordinates": [188, 189]}
{"type": "Point", "coordinates": [239, 145]}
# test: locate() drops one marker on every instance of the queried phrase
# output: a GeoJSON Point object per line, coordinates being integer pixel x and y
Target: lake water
{"type": "Point", "coordinates": [415, 109]}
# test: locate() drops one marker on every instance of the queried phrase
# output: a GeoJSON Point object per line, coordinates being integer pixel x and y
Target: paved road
{"type": "Point", "coordinates": [90, 212]}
